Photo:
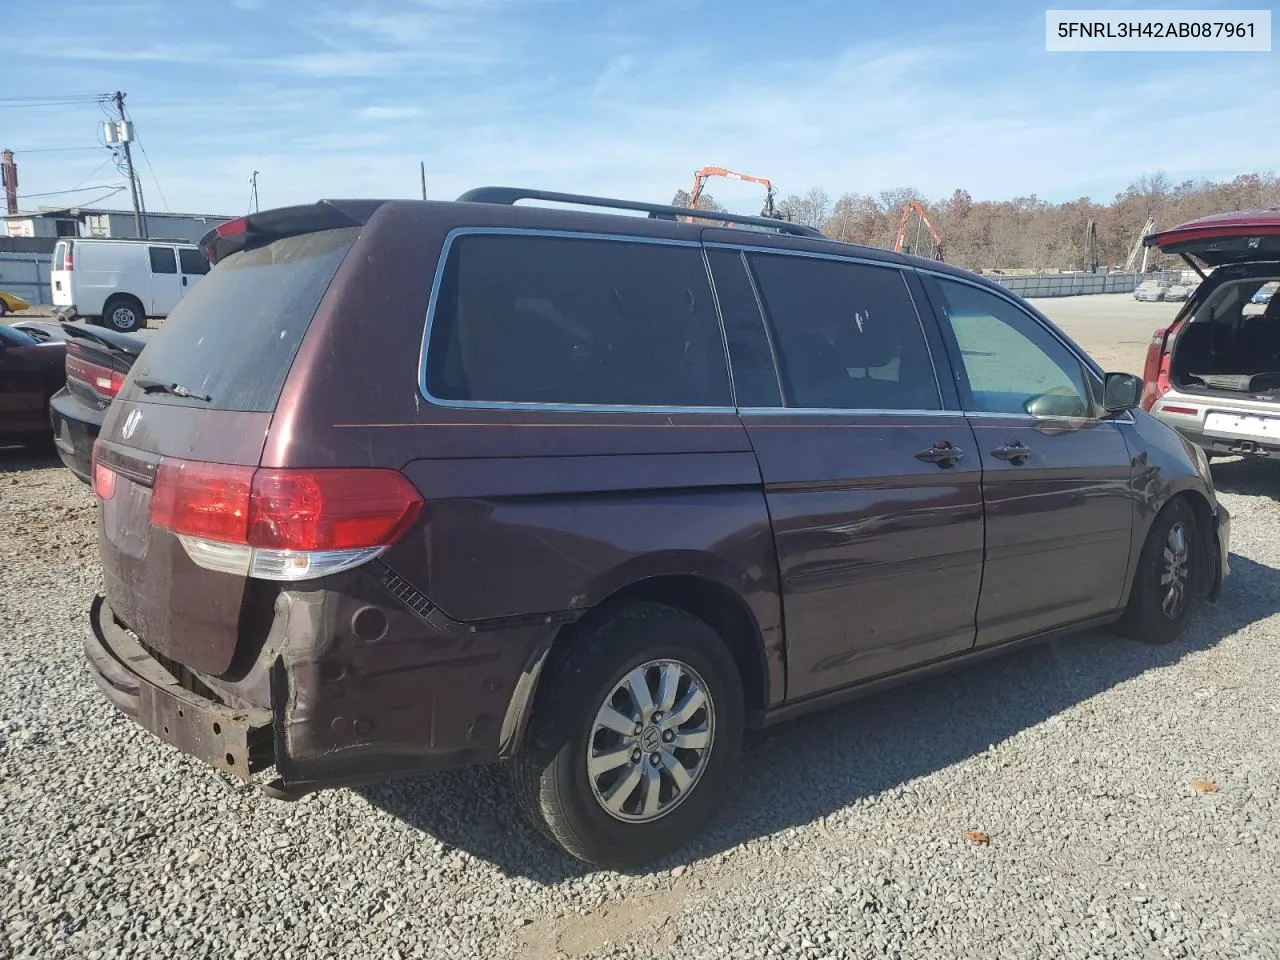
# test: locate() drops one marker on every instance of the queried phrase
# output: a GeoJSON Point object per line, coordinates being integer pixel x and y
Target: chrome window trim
{"type": "Point", "coordinates": [438, 279]}
{"type": "Point", "coordinates": [845, 412]}
{"type": "Point", "coordinates": [813, 255]}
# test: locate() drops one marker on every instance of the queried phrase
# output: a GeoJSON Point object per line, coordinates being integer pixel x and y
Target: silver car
{"type": "Point", "coordinates": [1214, 373]}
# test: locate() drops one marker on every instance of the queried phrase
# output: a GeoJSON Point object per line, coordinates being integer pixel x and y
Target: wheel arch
{"type": "Point", "coordinates": [1206, 570]}
{"type": "Point", "coordinates": [118, 295]}
{"type": "Point", "coordinates": [713, 602]}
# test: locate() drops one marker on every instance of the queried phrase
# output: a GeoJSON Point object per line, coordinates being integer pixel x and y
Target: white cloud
{"type": "Point", "coordinates": [403, 112]}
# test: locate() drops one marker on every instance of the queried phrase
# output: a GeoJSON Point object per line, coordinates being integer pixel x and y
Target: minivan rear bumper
{"type": "Point", "coordinates": [339, 711]}
{"type": "Point", "coordinates": [235, 741]}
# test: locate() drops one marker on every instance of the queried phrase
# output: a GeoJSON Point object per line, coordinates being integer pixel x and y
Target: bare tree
{"type": "Point", "coordinates": [705, 202]}
{"type": "Point", "coordinates": [813, 209]}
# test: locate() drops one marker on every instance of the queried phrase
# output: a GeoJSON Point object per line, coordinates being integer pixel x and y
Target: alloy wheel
{"type": "Point", "coordinates": [650, 741]}
{"type": "Point", "coordinates": [1173, 572]}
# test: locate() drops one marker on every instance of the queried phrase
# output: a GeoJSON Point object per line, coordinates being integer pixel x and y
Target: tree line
{"type": "Point", "coordinates": [1025, 232]}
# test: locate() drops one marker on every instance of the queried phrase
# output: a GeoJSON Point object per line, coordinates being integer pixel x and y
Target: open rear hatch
{"type": "Point", "coordinates": [1240, 237]}
{"type": "Point", "coordinates": [179, 451]}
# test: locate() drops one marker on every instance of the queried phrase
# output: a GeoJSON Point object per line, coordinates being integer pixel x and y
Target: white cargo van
{"type": "Point", "coordinates": [119, 283]}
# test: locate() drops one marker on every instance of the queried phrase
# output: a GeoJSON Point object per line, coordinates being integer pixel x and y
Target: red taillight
{"type": "Point", "coordinates": [69, 259]}
{"type": "Point", "coordinates": [233, 228]}
{"type": "Point", "coordinates": [330, 509]}
{"type": "Point", "coordinates": [102, 379]}
{"type": "Point", "coordinates": [1184, 411]}
{"type": "Point", "coordinates": [104, 478]}
{"type": "Point", "coordinates": [1155, 371]}
{"type": "Point", "coordinates": [278, 509]}
{"type": "Point", "coordinates": [209, 500]}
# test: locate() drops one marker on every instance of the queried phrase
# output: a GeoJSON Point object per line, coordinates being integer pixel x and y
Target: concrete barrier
{"type": "Point", "coordinates": [1078, 284]}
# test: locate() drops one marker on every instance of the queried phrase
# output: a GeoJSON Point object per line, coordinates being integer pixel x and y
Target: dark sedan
{"type": "Point", "coordinates": [31, 372]}
{"type": "Point", "coordinates": [97, 362]}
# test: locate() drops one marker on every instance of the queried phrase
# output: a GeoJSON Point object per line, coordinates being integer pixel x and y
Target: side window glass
{"type": "Point", "coordinates": [535, 319]}
{"type": "Point", "coordinates": [1012, 363]}
{"type": "Point", "coordinates": [755, 378]}
{"type": "Point", "coordinates": [847, 335]}
{"type": "Point", "coordinates": [162, 260]}
{"type": "Point", "coordinates": [193, 261]}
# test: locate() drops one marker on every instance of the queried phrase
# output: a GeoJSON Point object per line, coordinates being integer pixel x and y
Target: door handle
{"type": "Point", "coordinates": [1014, 451]}
{"type": "Point", "coordinates": [944, 453]}
{"type": "Point", "coordinates": [184, 281]}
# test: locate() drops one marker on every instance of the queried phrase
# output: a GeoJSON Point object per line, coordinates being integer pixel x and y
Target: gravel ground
{"type": "Point", "coordinates": [845, 835]}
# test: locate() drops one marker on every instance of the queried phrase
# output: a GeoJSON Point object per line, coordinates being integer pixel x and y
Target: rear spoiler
{"type": "Point", "coordinates": [114, 342]}
{"type": "Point", "coordinates": [259, 228]}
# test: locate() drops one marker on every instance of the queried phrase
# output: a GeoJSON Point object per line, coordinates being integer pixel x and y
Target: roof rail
{"type": "Point", "coordinates": [656, 211]}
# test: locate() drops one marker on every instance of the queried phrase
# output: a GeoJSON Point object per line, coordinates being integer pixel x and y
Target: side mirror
{"type": "Point", "coordinates": [1121, 392]}
{"type": "Point", "coordinates": [1056, 406]}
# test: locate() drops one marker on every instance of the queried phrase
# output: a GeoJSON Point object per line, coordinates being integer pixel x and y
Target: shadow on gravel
{"type": "Point", "coordinates": [1248, 476]}
{"type": "Point", "coordinates": [803, 771]}
{"type": "Point", "coordinates": [22, 459]}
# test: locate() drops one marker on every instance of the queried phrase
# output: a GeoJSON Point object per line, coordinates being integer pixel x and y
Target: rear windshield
{"type": "Point", "coordinates": [233, 337]}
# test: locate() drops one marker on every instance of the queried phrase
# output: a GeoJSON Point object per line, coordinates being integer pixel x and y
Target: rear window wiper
{"type": "Point", "coordinates": [151, 385]}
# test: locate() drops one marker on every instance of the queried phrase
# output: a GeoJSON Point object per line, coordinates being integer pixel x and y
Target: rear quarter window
{"type": "Point", "coordinates": [564, 320]}
{"type": "Point", "coordinates": [235, 334]}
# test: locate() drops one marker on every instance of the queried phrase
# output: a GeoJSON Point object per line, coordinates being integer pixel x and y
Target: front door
{"type": "Point", "coordinates": [166, 283]}
{"type": "Point", "coordinates": [873, 489]}
{"type": "Point", "coordinates": [1056, 473]}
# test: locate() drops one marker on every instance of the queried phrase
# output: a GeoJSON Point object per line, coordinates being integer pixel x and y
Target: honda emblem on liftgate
{"type": "Point", "coordinates": [131, 423]}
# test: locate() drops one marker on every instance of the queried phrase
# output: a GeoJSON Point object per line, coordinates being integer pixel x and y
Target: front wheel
{"type": "Point", "coordinates": [1164, 585]}
{"type": "Point", "coordinates": [636, 731]}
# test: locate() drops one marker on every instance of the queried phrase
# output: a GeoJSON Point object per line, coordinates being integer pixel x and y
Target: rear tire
{"type": "Point", "coordinates": [123, 314]}
{"type": "Point", "coordinates": [4, 308]}
{"type": "Point", "coordinates": [1164, 586]}
{"type": "Point", "coordinates": [578, 778]}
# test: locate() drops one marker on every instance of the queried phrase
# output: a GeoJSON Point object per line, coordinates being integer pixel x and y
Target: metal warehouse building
{"type": "Point", "coordinates": [96, 222]}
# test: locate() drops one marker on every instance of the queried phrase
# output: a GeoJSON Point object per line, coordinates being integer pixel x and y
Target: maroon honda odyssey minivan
{"type": "Point", "coordinates": [402, 485]}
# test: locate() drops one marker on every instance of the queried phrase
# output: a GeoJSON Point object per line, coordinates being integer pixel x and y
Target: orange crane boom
{"type": "Point", "coordinates": [916, 207]}
{"type": "Point", "coordinates": [700, 179]}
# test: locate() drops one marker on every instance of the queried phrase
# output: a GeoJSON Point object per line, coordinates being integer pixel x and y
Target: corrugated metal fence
{"type": "Point", "coordinates": [26, 275]}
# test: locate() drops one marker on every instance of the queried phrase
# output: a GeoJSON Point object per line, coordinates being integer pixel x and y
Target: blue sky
{"type": "Point", "coordinates": [621, 98]}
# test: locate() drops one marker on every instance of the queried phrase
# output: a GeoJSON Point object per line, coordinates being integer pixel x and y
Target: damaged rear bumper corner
{"type": "Point", "coordinates": [235, 741]}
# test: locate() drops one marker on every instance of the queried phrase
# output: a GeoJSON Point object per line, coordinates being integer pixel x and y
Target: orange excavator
{"type": "Point", "coordinates": [700, 179]}
{"type": "Point", "coordinates": [914, 206]}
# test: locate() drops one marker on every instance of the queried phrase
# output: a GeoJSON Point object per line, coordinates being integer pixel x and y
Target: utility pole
{"type": "Point", "coordinates": [139, 225]}
{"type": "Point", "coordinates": [253, 180]}
{"type": "Point", "coordinates": [422, 169]}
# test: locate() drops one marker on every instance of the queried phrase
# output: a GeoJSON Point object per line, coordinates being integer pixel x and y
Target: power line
{"type": "Point", "coordinates": [154, 179]}
{"type": "Point", "coordinates": [90, 202]}
{"type": "Point", "coordinates": [54, 96]}
{"type": "Point", "coordinates": [94, 171]}
{"type": "Point", "coordinates": [17, 102]}
{"type": "Point", "coordinates": [59, 193]}
{"type": "Point", "coordinates": [52, 149]}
